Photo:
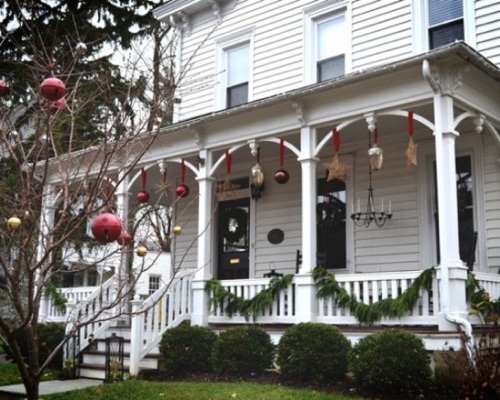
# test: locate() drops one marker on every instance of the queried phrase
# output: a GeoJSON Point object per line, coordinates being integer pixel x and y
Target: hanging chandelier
{"type": "Point", "coordinates": [379, 218]}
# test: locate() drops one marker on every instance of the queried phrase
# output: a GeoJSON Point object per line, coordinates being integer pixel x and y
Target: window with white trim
{"type": "Point", "coordinates": [440, 22]}
{"type": "Point", "coordinates": [327, 41]}
{"type": "Point", "coordinates": [445, 21]}
{"type": "Point", "coordinates": [154, 283]}
{"type": "Point", "coordinates": [330, 47]}
{"type": "Point", "coordinates": [234, 69]}
{"type": "Point", "coordinates": [237, 72]}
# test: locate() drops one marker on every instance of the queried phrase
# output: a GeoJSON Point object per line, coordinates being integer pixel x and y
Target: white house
{"type": "Point", "coordinates": [307, 89]}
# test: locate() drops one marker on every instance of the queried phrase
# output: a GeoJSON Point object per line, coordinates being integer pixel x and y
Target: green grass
{"type": "Point", "coordinates": [10, 376]}
{"type": "Point", "coordinates": [132, 390]}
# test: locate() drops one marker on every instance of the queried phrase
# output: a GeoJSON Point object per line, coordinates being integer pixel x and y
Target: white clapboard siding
{"type": "Point", "coordinates": [488, 28]}
{"type": "Point", "coordinates": [491, 170]}
{"type": "Point", "coordinates": [374, 247]}
{"type": "Point", "coordinates": [381, 32]}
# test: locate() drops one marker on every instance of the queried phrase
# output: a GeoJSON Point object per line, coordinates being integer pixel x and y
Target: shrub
{"type": "Point", "coordinates": [49, 336]}
{"type": "Point", "coordinates": [392, 364]}
{"type": "Point", "coordinates": [186, 349]}
{"type": "Point", "coordinates": [313, 353]}
{"type": "Point", "coordinates": [242, 351]}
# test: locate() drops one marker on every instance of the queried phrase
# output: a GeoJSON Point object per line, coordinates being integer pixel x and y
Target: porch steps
{"type": "Point", "coordinates": [92, 362]}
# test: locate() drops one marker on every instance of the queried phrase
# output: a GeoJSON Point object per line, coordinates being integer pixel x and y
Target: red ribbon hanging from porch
{"type": "Point", "coordinates": [282, 152]}
{"type": "Point", "coordinates": [144, 175]}
{"type": "Point", "coordinates": [229, 162]}
{"type": "Point", "coordinates": [165, 176]}
{"type": "Point", "coordinates": [335, 139]}
{"type": "Point", "coordinates": [410, 123]}
{"type": "Point", "coordinates": [375, 136]}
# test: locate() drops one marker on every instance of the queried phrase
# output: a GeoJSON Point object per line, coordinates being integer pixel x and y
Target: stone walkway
{"type": "Point", "coordinates": [18, 392]}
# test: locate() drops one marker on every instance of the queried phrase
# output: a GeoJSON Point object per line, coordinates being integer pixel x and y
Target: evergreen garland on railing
{"type": "Point", "coordinates": [247, 307]}
{"type": "Point", "coordinates": [480, 300]}
{"type": "Point", "coordinates": [370, 313]}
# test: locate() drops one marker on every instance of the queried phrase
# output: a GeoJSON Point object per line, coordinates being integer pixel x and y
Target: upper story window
{"type": "Point", "coordinates": [327, 41]}
{"type": "Point", "coordinates": [437, 23]}
{"type": "Point", "coordinates": [237, 72]}
{"type": "Point", "coordinates": [234, 69]}
{"type": "Point", "coordinates": [446, 22]}
{"type": "Point", "coordinates": [330, 47]}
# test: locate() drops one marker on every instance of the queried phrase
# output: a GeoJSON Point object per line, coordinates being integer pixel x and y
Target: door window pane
{"type": "Point", "coordinates": [331, 224]}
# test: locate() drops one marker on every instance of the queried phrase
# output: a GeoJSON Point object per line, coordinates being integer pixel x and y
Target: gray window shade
{"type": "Point", "coordinates": [446, 34]}
{"type": "Point", "coordinates": [444, 10]}
{"type": "Point", "coordinates": [331, 68]}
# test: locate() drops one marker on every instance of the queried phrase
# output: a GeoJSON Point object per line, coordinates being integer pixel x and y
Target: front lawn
{"type": "Point", "coordinates": [138, 389]}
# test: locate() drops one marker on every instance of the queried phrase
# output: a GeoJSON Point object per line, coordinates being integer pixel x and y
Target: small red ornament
{"type": "Point", "coordinates": [3, 87]}
{"type": "Point", "coordinates": [106, 228]}
{"type": "Point", "coordinates": [281, 176]}
{"type": "Point", "coordinates": [143, 196]}
{"type": "Point", "coordinates": [182, 190]}
{"type": "Point", "coordinates": [124, 239]}
{"type": "Point", "coordinates": [53, 89]}
{"type": "Point", "coordinates": [57, 106]}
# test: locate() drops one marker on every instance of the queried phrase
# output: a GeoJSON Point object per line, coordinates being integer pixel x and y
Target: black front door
{"type": "Point", "coordinates": [234, 228]}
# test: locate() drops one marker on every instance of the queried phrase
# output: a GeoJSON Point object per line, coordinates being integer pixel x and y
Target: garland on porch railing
{"type": "Point", "coordinates": [247, 307]}
{"type": "Point", "coordinates": [370, 313]}
{"type": "Point", "coordinates": [480, 300]}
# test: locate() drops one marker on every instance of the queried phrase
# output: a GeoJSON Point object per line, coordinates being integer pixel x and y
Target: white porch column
{"type": "Point", "coordinates": [136, 329]}
{"type": "Point", "coordinates": [47, 218]}
{"type": "Point", "coordinates": [306, 289]}
{"type": "Point", "coordinates": [199, 315]}
{"type": "Point", "coordinates": [452, 271]}
{"type": "Point", "coordinates": [121, 195]}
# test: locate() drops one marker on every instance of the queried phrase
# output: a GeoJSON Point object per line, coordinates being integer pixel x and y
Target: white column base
{"type": "Point", "coordinates": [306, 303]}
{"type": "Point", "coordinates": [199, 315]}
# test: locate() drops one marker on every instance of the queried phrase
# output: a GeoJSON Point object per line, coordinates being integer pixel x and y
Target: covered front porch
{"type": "Point", "coordinates": [282, 186]}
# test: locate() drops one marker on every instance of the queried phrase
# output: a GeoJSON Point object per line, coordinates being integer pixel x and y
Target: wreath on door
{"type": "Point", "coordinates": [234, 224]}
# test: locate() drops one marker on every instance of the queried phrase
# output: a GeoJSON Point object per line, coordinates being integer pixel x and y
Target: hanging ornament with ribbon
{"type": "Point", "coordinates": [182, 190]}
{"type": "Point", "coordinates": [281, 176]}
{"type": "Point", "coordinates": [336, 169]}
{"type": "Point", "coordinates": [227, 188]}
{"type": "Point", "coordinates": [411, 150]}
{"type": "Point", "coordinates": [143, 195]}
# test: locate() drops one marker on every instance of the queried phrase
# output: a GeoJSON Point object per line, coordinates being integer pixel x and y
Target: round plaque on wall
{"type": "Point", "coordinates": [275, 236]}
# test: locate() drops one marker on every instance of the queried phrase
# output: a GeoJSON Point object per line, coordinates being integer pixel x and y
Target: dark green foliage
{"type": "Point", "coordinates": [247, 307]}
{"type": "Point", "coordinates": [49, 336]}
{"type": "Point", "coordinates": [391, 363]}
{"type": "Point", "coordinates": [313, 353]}
{"type": "Point", "coordinates": [242, 351]}
{"type": "Point", "coordinates": [186, 349]}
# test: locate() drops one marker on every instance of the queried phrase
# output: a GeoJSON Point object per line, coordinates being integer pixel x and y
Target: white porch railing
{"type": "Point", "coordinates": [371, 288]}
{"type": "Point", "coordinates": [490, 283]}
{"type": "Point", "coordinates": [72, 295]}
{"type": "Point", "coordinates": [282, 310]}
{"type": "Point", "coordinates": [367, 288]}
{"type": "Point", "coordinates": [164, 309]}
{"type": "Point", "coordinates": [96, 312]}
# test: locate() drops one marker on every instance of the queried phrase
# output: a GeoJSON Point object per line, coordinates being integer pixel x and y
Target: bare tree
{"type": "Point", "coordinates": [55, 180]}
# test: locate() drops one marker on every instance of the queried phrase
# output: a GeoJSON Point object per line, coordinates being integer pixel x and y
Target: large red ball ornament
{"type": "Point", "coordinates": [124, 239]}
{"type": "Point", "coordinates": [106, 228]}
{"type": "Point", "coordinates": [143, 196]}
{"type": "Point", "coordinates": [182, 190]}
{"type": "Point", "coordinates": [281, 176]}
{"type": "Point", "coordinates": [53, 89]}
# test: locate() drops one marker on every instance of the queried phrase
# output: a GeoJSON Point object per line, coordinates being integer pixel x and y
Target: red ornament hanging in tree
{"type": "Point", "coordinates": [281, 176]}
{"type": "Point", "coordinates": [3, 87]}
{"type": "Point", "coordinates": [53, 89]}
{"type": "Point", "coordinates": [57, 106]}
{"type": "Point", "coordinates": [106, 228]}
{"type": "Point", "coordinates": [124, 239]}
{"type": "Point", "coordinates": [143, 195]}
{"type": "Point", "coordinates": [182, 190]}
